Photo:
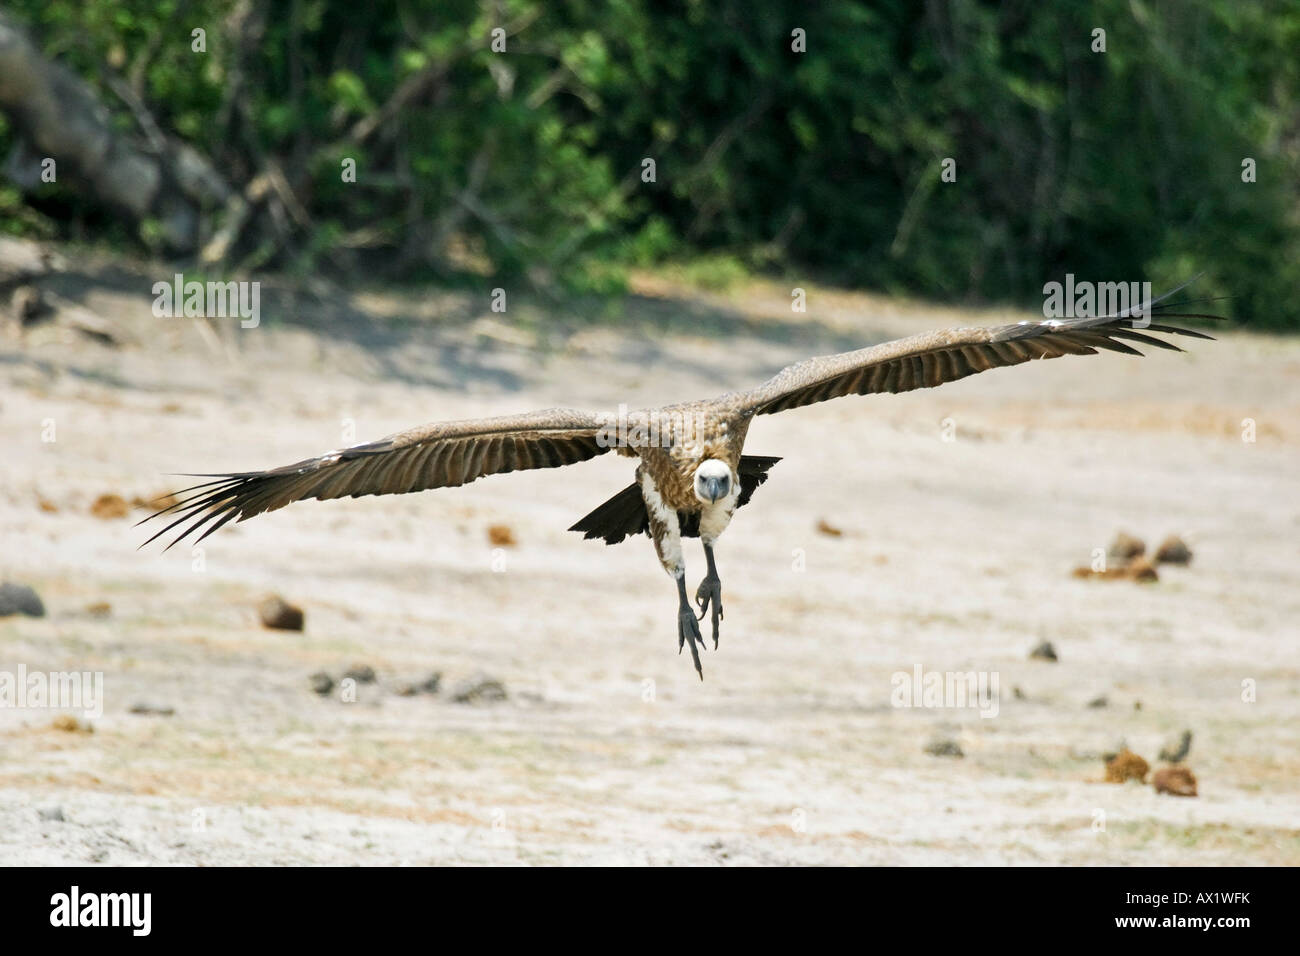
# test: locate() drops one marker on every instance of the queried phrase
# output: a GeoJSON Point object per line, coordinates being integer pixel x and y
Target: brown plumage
{"type": "Point", "coordinates": [691, 475]}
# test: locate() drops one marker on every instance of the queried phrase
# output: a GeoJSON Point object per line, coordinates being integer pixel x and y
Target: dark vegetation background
{"type": "Point", "coordinates": [1118, 165]}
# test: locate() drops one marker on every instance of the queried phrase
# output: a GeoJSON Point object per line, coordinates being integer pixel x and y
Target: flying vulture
{"type": "Point", "coordinates": [691, 474]}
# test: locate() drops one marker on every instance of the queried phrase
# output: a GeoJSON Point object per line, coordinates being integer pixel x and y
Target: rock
{"type": "Point", "coordinates": [428, 686]}
{"type": "Point", "coordinates": [501, 536]}
{"type": "Point", "coordinates": [1125, 548]}
{"type": "Point", "coordinates": [1126, 765]}
{"type": "Point", "coordinates": [71, 725]}
{"type": "Point", "coordinates": [1099, 702]}
{"type": "Point", "coordinates": [1173, 550]}
{"type": "Point", "coordinates": [1110, 574]}
{"type": "Point", "coordinates": [828, 529]}
{"type": "Point", "coordinates": [478, 689]}
{"type": "Point", "coordinates": [944, 747]}
{"type": "Point", "coordinates": [1043, 652]}
{"type": "Point", "coordinates": [321, 683]}
{"type": "Point", "coordinates": [54, 814]}
{"type": "Point", "coordinates": [152, 710]}
{"type": "Point", "coordinates": [280, 614]}
{"type": "Point", "coordinates": [1174, 753]}
{"type": "Point", "coordinates": [1141, 570]}
{"type": "Point", "coordinates": [361, 673]}
{"type": "Point", "coordinates": [109, 506]}
{"type": "Point", "coordinates": [1177, 781]}
{"type": "Point", "coordinates": [19, 599]}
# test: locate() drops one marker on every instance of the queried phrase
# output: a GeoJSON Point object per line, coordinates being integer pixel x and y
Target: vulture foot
{"type": "Point", "coordinates": [709, 594]}
{"type": "Point", "coordinates": [688, 628]}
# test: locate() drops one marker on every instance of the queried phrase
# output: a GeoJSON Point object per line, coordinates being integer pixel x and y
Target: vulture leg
{"type": "Point", "coordinates": [665, 529]}
{"type": "Point", "coordinates": [710, 593]}
{"type": "Point", "coordinates": [688, 628]}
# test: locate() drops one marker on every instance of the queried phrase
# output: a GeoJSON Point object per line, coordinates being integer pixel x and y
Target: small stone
{"type": "Point", "coordinates": [1141, 570]}
{"type": "Point", "coordinates": [1177, 752]}
{"type": "Point", "coordinates": [944, 747]}
{"type": "Point", "coordinates": [20, 599]}
{"type": "Point", "coordinates": [1126, 765]}
{"type": "Point", "coordinates": [99, 609]}
{"type": "Point", "coordinates": [501, 536]}
{"type": "Point", "coordinates": [1043, 652]}
{"type": "Point", "coordinates": [54, 814]}
{"type": "Point", "coordinates": [1125, 547]}
{"type": "Point", "coordinates": [109, 506]}
{"type": "Point", "coordinates": [1098, 702]}
{"type": "Point", "coordinates": [361, 673]}
{"type": "Point", "coordinates": [1109, 574]}
{"type": "Point", "coordinates": [1177, 781]}
{"type": "Point", "coordinates": [1173, 550]}
{"type": "Point", "coordinates": [280, 614]}
{"type": "Point", "coordinates": [321, 683]}
{"type": "Point", "coordinates": [71, 725]}
{"type": "Point", "coordinates": [152, 710]}
{"type": "Point", "coordinates": [479, 689]}
{"type": "Point", "coordinates": [828, 529]}
{"type": "Point", "coordinates": [429, 685]}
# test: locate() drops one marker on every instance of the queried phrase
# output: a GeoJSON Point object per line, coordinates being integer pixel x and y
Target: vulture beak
{"type": "Point", "coordinates": [715, 488]}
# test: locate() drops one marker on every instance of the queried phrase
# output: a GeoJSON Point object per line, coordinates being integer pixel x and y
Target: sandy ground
{"type": "Point", "coordinates": [954, 556]}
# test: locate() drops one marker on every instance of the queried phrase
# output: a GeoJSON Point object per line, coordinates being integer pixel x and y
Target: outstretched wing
{"type": "Point", "coordinates": [442, 455]}
{"type": "Point", "coordinates": [933, 358]}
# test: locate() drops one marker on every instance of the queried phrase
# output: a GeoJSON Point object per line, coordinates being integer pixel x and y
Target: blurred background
{"type": "Point", "coordinates": [459, 209]}
{"type": "Point", "coordinates": [785, 137]}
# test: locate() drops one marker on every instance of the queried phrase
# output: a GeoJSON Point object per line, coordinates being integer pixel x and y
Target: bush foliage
{"type": "Point", "coordinates": [1121, 164]}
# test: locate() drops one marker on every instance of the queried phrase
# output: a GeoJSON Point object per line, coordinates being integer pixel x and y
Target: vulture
{"type": "Point", "coordinates": [691, 472]}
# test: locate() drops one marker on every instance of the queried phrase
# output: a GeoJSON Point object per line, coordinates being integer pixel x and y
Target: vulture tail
{"type": "Point", "coordinates": [625, 513]}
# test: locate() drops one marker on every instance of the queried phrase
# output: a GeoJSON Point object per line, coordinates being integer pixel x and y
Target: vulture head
{"type": "Point", "coordinates": [712, 480]}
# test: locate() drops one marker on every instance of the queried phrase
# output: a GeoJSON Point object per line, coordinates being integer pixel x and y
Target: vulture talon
{"type": "Point", "coordinates": [709, 594]}
{"type": "Point", "coordinates": [688, 629]}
